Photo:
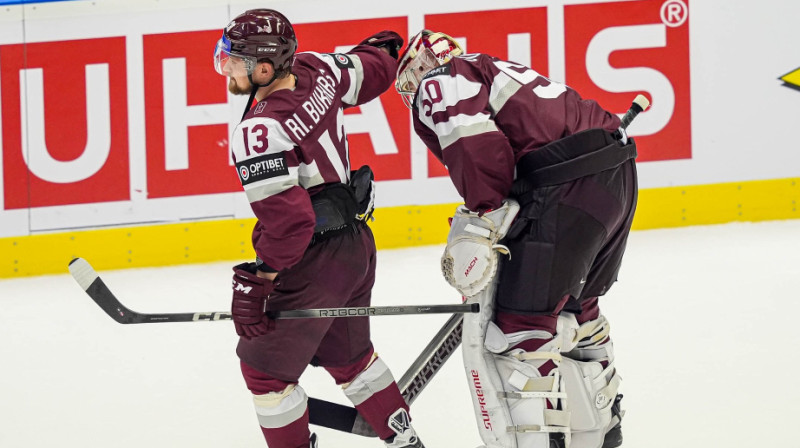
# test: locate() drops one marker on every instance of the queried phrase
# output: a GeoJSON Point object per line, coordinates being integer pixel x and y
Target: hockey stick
{"type": "Point", "coordinates": [640, 103]}
{"type": "Point", "coordinates": [428, 363]}
{"type": "Point", "coordinates": [94, 286]}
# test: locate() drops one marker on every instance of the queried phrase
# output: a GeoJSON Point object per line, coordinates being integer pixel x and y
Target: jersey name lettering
{"type": "Point", "coordinates": [316, 106]}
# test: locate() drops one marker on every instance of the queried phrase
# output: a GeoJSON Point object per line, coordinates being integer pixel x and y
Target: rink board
{"type": "Point", "coordinates": [394, 227]}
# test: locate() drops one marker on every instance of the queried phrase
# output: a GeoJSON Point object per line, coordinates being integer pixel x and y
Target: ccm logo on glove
{"type": "Point", "coordinates": [249, 304]}
{"type": "Point", "coordinates": [240, 287]}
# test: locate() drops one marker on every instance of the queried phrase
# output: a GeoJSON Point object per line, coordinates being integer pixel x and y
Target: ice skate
{"type": "Point", "coordinates": [405, 436]}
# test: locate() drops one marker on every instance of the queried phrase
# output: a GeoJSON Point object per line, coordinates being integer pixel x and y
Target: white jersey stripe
{"type": "Point", "coordinates": [480, 127]}
{"type": "Point", "coordinates": [309, 175]}
{"type": "Point", "coordinates": [447, 130]}
{"type": "Point", "coordinates": [270, 187]}
{"type": "Point", "coordinates": [333, 155]}
{"type": "Point", "coordinates": [503, 87]}
{"type": "Point", "coordinates": [328, 59]}
{"type": "Point", "coordinates": [356, 78]}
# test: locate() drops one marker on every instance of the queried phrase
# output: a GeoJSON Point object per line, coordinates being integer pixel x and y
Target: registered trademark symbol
{"type": "Point", "coordinates": [674, 13]}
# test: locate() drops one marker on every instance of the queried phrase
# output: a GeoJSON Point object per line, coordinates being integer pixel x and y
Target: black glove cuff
{"type": "Point", "coordinates": [263, 267]}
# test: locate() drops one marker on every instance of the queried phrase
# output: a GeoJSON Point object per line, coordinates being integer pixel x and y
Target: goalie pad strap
{"type": "Point", "coordinates": [595, 330]}
{"type": "Point", "coordinates": [519, 395]}
{"type": "Point", "coordinates": [536, 428]}
{"type": "Point", "coordinates": [480, 231]}
{"type": "Point", "coordinates": [606, 395]}
{"type": "Point", "coordinates": [525, 383]}
{"type": "Point", "coordinates": [522, 356]}
{"type": "Point", "coordinates": [557, 418]}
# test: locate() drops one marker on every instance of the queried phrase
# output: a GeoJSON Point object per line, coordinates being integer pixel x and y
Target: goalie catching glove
{"type": "Point", "coordinates": [469, 262]}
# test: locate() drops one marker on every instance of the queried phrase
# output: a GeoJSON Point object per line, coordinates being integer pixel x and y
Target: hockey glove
{"type": "Point", "coordinates": [469, 262]}
{"type": "Point", "coordinates": [249, 307]}
{"type": "Point", "coordinates": [387, 39]}
{"type": "Point", "coordinates": [363, 183]}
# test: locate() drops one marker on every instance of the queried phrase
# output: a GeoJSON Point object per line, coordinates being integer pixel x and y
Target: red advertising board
{"type": "Point", "coordinates": [71, 145]}
{"type": "Point", "coordinates": [61, 133]}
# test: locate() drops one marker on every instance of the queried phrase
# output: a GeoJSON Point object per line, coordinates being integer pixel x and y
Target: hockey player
{"type": "Point", "coordinates": [549, 185]}
{"type": "Point", "coordinates": [313, 245]}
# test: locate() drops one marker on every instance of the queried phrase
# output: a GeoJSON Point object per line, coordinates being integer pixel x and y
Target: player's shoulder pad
{"type": "Point", "coordinates": [343, 60]}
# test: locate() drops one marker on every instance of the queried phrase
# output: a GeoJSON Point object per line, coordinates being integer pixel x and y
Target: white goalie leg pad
{"type": "Point", "coordinates": [470, 260]}
{"type": "Point", "coordinates": [279, 409]}
{"type": "Point", "coordinates": [509, 395]}
{"type": "Point", "coordinates": [492, 414]}
{"type": "Point", "coordinates": [592, 388]}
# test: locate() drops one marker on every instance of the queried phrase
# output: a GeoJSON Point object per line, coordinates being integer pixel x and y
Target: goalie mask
{"type": "Point", "coordinates": [253, 36]}
{"type": "Point", "coordinates": [426, 51]}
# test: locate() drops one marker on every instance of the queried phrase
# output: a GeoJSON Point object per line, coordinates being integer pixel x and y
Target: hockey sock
{"type": "Point", "coordinates": [369, 384]}
{"type": "Point", "coordinates": [281, 409]}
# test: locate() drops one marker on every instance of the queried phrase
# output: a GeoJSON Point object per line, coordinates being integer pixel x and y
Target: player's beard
{"type": "Point", "coordinates": [237, 88]}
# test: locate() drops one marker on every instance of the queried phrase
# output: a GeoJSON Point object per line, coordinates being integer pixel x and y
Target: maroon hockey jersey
{"type": "Point", "coordinates": [294, 141]}
{"type": "Point", "coordinates": [479, 115]}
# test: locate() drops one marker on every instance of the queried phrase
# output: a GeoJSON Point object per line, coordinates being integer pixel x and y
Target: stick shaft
{"type": "Point", "coordinates": [94, 286]}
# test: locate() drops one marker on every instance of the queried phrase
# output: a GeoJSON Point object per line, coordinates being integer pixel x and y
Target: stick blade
{"type": "Point", "coordinates": [90, 281]}
{"type": "Point", "coordinates": [82, 272]}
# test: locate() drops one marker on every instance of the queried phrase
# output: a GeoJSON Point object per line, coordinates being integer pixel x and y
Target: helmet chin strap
{"type": "Point", "coordinates": [256, 86]}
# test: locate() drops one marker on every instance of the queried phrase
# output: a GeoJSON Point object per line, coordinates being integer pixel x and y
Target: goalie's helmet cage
{"type": "Point", "coordinates": [425, 51]}
{"type": "Point", "coordinates": [257, 35]}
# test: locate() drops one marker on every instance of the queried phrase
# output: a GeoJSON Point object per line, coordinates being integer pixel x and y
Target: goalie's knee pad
{"type": "Point", "coordinates": [279, 409]}
{"type": "Point", "coordinates": [592, 386]}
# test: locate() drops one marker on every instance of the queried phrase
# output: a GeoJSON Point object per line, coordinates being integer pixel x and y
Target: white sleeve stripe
{"type": "Point", "coordinates": [481, 127]}
{"type": "Point", "coordinates": [503, 87]}
{"type": "Point", "coordinates": [328, 59]}
{"type": "Point", "coordinates": [356, 78]}
{"type": "Point", "coordinates": [270, 187]}
{"type": "Point", "coordinates": [456, 121]}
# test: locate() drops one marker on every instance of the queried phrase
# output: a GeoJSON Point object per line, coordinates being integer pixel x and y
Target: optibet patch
{"type": "Point", "coordinates": [262, 167]}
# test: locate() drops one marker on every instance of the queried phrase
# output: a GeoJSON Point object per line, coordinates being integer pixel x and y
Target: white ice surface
{"type": "Point", "coordinates": [704, 321]}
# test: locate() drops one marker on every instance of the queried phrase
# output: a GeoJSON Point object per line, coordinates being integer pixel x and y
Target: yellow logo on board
{"type": "Point", "coordinates": [792, 79]}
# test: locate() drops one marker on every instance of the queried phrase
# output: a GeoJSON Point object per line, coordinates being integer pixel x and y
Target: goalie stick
{"type": "Point", "coordinates": [94, 286]}
{"type": "Point", "coordinates": [640, 103]}
{"type": "Point", "coordinates": [428, 363]}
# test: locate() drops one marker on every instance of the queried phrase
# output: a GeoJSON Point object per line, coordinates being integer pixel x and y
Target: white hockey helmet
{"type": "Point", "coordinates": [426, 51]}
